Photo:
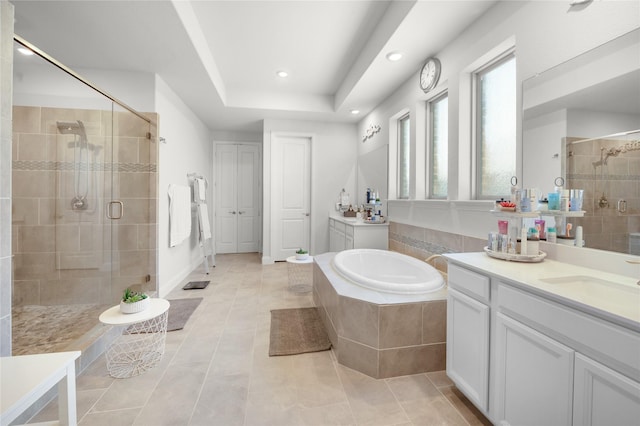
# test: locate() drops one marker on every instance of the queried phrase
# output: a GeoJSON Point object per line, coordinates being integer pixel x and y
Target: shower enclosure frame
{"type": "Point", "coordinates": [111, 208]}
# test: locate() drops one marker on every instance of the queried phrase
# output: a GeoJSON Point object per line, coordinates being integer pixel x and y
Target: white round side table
{"type": "Point", "coordinates": [141, 345]}
{"type": "Point", "coordinates": [300, 274]}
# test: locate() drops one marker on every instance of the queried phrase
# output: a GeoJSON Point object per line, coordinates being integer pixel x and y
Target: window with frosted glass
{"type": "Point", "coordinates": [496, 128]}
{"type": "Point", "coordinates": [438, 111]}
{"type": "Point", "coordinates": [403, 157]}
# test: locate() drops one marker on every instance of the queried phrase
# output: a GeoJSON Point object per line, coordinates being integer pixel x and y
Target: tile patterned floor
{"type": "Point", "coordinates": [216, 371]}
{"type": "Point", "coordinates": [35, 327]}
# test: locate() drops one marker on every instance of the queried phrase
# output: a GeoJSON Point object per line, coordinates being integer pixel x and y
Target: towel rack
{"type": "Point", "coordinates": [206, 244]}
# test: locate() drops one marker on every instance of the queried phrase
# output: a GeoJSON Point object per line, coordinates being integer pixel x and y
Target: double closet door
{"type": "Point", "coordinates": [237, 198]}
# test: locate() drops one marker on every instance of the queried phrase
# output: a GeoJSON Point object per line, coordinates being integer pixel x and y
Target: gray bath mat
{"type": "Point", "coordinates": [297, 331]}
{"type": "Point", "coordinates": [180, 311]}
{"type": "Point", "coordinates": [196, 285]}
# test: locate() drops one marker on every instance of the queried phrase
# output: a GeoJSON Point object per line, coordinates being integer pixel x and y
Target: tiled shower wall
{"type": "Point", "coordinates": [422, 243]}
{"type": "Point", "coordinates": [606, 228]}
{"type": "Point", "coordinates": [66, 256]}
{"type": "Point", "coordinates": [6, 96]}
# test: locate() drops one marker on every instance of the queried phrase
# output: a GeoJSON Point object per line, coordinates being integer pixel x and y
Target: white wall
{"type": "Point", "coordinates": [545, 33]}
{"type": "Point", "coordinates": [333, 167]}
{"type": "Point", "coordinates": [187, 149]}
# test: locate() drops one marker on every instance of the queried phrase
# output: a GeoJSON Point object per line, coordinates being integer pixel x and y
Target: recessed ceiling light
{"type": "Point", "coordinates": [355, 111]}
{"type": "Point", "coordinates": [25, 51]}
{"type": "Point", "coordinates": [394, 56]}
{"type": "Point", "coordinates": [282, 74]}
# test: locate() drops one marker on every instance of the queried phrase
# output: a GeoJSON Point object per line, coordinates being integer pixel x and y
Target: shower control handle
{"type": "Point", "coordinates": [110, 209]}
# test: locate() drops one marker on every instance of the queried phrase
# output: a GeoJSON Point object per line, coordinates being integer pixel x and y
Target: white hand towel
{"type": "Point", "coordinates": [204, 221]}
{"type": "Point", "coordinates": [202, 189]}
{"type": "Point", "coordinates": [179, 214]}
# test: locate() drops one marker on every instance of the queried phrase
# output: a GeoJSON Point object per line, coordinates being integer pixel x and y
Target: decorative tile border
{"type": "Point", "coordinates": [94, 167]}
{"type": "Point", "coordinates": [419, 244]}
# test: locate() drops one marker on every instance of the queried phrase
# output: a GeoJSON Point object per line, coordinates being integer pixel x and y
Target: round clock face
{"type": "Point", "coordinates": [429, 74]}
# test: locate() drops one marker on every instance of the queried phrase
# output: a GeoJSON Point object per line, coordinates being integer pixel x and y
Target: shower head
{"type": "Point", "coordinates": [71, 128]}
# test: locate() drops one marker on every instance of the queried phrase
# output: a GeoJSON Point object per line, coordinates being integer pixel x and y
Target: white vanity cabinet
{"type": "Point", "coordinates": [534, 376]}
{"type": "Point", "coordinates": [468, 334]}
{"type": "Point", "coordinates": [602, 396]}
{"type": "Point", "coordinates": [525, 355]}
{"type": "Point", "coordinates": [345, 234]}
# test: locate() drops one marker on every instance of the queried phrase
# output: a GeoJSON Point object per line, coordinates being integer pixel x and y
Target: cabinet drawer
{"type": "Point", "coordinates": [340, 226]}
{"type": "Point", "coordinates": [608, 343]}
{"type": "Point", "coordinates": [471, 283]}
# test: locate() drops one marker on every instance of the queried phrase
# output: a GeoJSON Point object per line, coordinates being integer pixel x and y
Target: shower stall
{"type": "Point", "coordinates": [84, 196]}
{"type": "Point", "coordinates": [607, 168]}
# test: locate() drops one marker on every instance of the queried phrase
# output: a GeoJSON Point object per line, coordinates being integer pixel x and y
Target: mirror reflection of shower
{"type": "Point", "coordinates": [84, 161]}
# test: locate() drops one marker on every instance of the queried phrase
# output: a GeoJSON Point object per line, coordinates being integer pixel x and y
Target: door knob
{"type": "Point", "coordinates": [307, 214]}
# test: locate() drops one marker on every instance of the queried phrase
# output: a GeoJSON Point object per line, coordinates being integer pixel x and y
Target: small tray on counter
{"type": "Point", "coordinates": [375, 222]}
{"type": "Point", "coordinates": [528, 258]}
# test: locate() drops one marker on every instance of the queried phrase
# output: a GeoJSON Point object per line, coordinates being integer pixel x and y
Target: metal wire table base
{"type": "Point", "coordinates": [138, 349]}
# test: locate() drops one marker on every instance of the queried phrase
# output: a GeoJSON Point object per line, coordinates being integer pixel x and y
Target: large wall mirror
{"type": "Point", "coordinates": [581, 122]}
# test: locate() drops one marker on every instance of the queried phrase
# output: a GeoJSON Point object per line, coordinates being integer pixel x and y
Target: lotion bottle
{"type": "Point", "coordinates": [523, 241]}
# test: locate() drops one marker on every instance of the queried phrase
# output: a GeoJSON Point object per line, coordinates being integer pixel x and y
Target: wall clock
{"type": "Point", "coordinates": [429, 74]}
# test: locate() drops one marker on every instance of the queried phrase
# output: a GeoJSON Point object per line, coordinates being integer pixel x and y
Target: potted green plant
{"type": "Point", "coordinates": [133, 302]}
{"type": "Point", "coordinates": [302, 254]}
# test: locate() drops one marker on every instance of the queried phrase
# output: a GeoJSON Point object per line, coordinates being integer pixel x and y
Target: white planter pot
{"type": "Point", "coordinates": [302, 256]}
{"type": "Point", "coordinates": [134, 308]}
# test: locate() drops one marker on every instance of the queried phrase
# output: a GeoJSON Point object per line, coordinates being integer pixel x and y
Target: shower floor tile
{"type": "Point", "coordinates": [43, 329]}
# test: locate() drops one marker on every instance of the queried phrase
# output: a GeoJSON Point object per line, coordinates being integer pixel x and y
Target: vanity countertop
{"type": "Point", "coordinates": [355, 222]}
{"type": "Point", "coordinates": [616, 300]}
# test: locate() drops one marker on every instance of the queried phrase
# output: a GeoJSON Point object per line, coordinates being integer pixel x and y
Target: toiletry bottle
{"type": "Point", "coordinates": [523, 241]}
{"type": "Point", "coordinates": [551, 235]}
{"type": "Point", "coordinates": [533, 242]}
{"type": "Point", "coordinates": [564, 201]}
{"type": "Point", "coordinates": [579, 242]}
{"type": "Point", "coordinates": [525, 202]}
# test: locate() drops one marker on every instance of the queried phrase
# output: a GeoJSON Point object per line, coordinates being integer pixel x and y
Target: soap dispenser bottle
{"type": "Point", "coordinates": [523, 241]}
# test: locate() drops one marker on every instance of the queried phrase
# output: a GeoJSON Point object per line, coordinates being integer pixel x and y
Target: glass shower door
{"type": "Point", "coordinates": [76, 153]}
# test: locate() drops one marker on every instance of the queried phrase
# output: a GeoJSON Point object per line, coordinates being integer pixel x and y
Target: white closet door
{"type": "Point", "coordinates": [248, 198]}
{"type": "Point", "coordinates": [226, 199]}
{"type": "Point", "coordinates": [237, 198]}
{"type": "Point", "coordinates": [291, 192]}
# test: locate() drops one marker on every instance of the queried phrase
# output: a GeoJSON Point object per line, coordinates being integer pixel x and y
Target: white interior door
{"type": "Point", "coordinates": [237, 198]}
{"type": "Point", "coordinates": [291, 192]}
{"type": "Point", "coordinates": [248, 184]}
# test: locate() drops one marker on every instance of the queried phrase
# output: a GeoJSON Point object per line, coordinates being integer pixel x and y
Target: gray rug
{"type": "Point", "coordinates": [297, 331]}
{"type": "Point", "coordinates": [180, 311]}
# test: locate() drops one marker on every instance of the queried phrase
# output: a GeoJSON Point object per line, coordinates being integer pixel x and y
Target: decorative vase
{"type": "Point", "coordinates": [135, 307]}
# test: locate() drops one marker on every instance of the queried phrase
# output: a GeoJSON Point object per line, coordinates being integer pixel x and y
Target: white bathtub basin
{"type": "Point", "coordinates": [387, 271]}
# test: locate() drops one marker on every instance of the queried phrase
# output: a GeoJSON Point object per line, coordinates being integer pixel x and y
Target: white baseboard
{"type": "Point", "coordinates": [177, 279]}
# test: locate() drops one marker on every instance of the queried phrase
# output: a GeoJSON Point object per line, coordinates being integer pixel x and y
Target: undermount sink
{"type": "Point", "coordinates": [597, 291]}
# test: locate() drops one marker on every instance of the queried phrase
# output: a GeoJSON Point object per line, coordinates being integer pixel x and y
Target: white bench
{"type": "Point", "coordinates": [26, 378]}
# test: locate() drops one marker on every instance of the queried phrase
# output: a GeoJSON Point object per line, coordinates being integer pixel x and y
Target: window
{"type": "Point", "coordinates": [438, 125]}
{"type": "Point", "coordinates": [495, 128]}
{"type": "Point", "coordinates": [404, 158]}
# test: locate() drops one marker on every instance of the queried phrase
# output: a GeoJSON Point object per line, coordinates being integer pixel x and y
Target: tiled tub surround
{"type": "Point", "coordinates": [606, 228]}
{"type": "Point", "coordinates": [381, 335]}
{"type": "Point", "coordinates": [421, 243]}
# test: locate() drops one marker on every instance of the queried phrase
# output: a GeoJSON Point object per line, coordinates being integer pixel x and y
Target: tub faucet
{"type": "Point", "coordinates": [635, 262]}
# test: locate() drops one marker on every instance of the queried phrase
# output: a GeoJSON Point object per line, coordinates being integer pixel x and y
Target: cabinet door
{"type": "Point", "coordinates": [332, 235]}
{"type": "Point", "coordinates": [602, 396]}
{"type": "Point", "coordinates": [468, 347]}
{"type": "Point", "coordinates": [534, 376]}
